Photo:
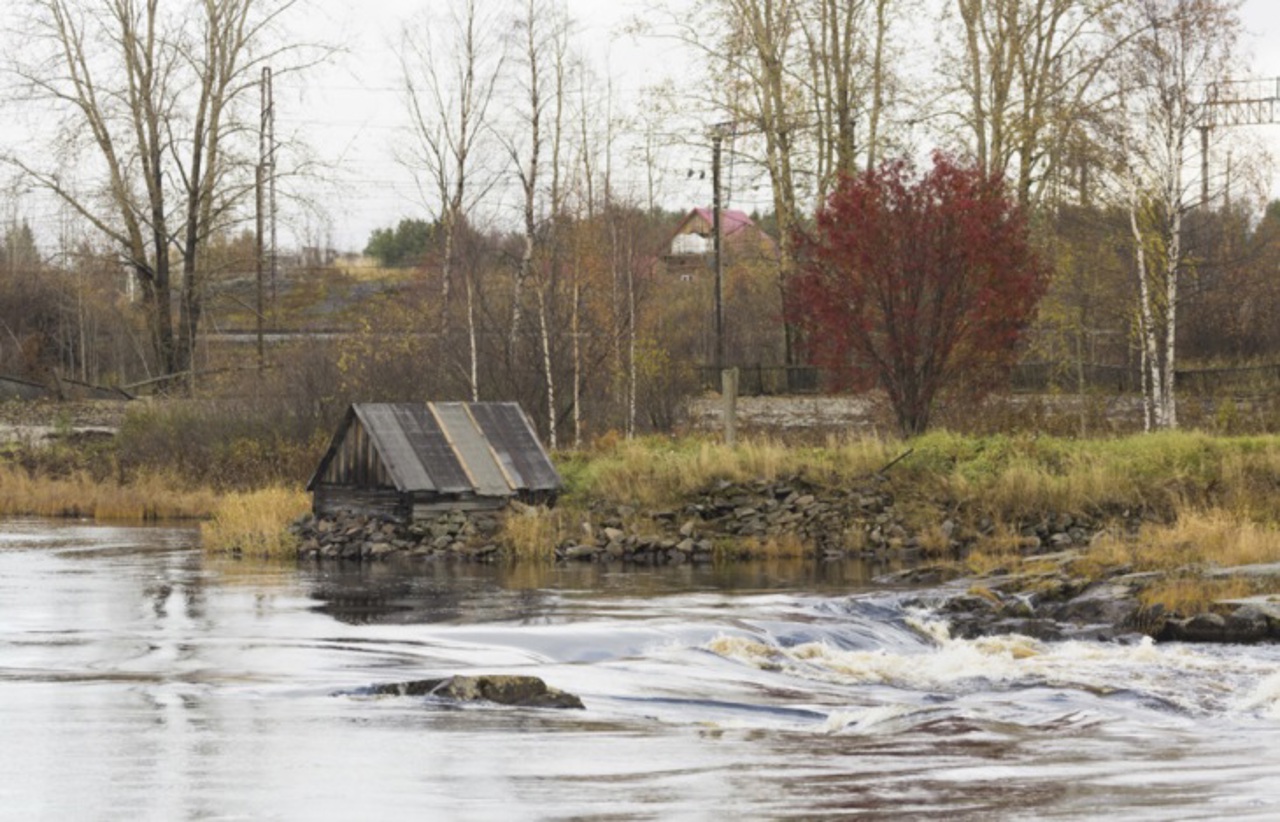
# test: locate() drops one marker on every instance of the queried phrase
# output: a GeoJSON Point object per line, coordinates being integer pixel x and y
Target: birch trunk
{"type": "Point", "coordinates": [474, 372]}
{"type": "Point", "coordinates": [577, 364]}
{"type": "Point", "coordinates": [1153, 391]}
{"type": "Point", "coordinates": [547, 371]}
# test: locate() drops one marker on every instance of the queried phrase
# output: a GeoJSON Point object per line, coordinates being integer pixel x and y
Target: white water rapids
{"type": "Point", "coordinates": [140, 680]}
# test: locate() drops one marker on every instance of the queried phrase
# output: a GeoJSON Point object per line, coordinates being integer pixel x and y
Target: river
{"type": "Point", "coordinates": [140, 680]}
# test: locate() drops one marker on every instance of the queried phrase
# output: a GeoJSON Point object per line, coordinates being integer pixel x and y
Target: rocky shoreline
{"type": "Point", "coordinates": [1056, 605]}
{"type": "Point", "coordinates": [795, 517]}
{"type": "Point", "coordinates": [792, 517]}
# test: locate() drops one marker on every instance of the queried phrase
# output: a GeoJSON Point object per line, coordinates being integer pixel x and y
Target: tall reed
{"type": "Point", "coordinates": [255, 523]}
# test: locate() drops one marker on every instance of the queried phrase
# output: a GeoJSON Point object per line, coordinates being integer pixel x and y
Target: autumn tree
{"type": "Point", "coordinates": [450, 75]}
{"type": "Point", "coordinates": [921, 286]}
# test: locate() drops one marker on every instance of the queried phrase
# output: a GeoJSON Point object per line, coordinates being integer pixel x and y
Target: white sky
{"type": "Point", "coordinates": [359, 119]}
{"type": "Point", "coordinates": [351, 112]}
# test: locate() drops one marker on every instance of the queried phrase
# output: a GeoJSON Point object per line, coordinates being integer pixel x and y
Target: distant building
{"type": "Point", "coordinates": [411, 461]}
{"type": "Point", "coordinates": [690, 251]}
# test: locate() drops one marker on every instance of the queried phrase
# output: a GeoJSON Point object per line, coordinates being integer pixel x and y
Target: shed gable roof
{"type": "Point", "coordinates": [488, 449]}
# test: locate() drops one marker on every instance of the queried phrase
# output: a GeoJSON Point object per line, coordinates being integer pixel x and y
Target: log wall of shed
{"type": "Point", "coordinates": [356, 462]}
{"type": "Point", "coordinates": [386, 504]}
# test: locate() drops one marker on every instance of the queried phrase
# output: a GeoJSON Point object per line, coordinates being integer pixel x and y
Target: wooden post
{"type": "Point", "coordinates": [259, 303]}
{"type": "Point", "coordinates": [729, 393]}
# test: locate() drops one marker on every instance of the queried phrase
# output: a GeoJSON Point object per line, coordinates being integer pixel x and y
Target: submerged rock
{"type": "Point", "coordinates": [502, 689]}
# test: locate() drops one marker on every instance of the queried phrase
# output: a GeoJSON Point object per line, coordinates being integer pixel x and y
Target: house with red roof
{"type": "Point", "coordinates": [690, 251]}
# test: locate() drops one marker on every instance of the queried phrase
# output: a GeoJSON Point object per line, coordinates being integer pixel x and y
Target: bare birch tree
{"type": "Point", "coordinates": [753, 51]}
{"type": "Point", "coordinates": [451, 74]}
{"type": "Point", "coordinates": [543, 124]}
{"type": "Point", "coordinates": [151, 99]}
{"type": "Point", "coordinates": [833, 33]}
{"type": "Point", "coordinates": [1029, 74]}
{"type": "Point", "coordinates": [848, 49]}
{"type": "Point", "coordinates": [794, 80]}
{"type": "Point", "coordinates": [1180, 49]}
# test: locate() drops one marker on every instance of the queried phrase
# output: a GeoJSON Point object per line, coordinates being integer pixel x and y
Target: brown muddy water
{"type": "Point", "coordinates": [140, 680]}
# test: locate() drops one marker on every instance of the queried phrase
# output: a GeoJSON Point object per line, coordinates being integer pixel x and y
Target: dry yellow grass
{"type": "Point", "coordinates": [780, 547]}
{"type": "Point", "coordinates": [532, 533]}
{"type": "Point", "coordinates": [1199, 541]}
{"type": "Point", "coordinates": [1021, 477]}
{"type": "Point", "coordinates": [1002, 550]}
{"type": "Point", "coordinates": [657, 472]}
{"type": "Point", "coordinates": [150, 497]}
{"type": "Point", "coordinates": [1193, 595]}
{"type": "Point", "coordinates": [1214, 538]}
{"type": "Point", "coordinates": [255, 523]}
{"type": "Point", "coordinates": [934, 542]}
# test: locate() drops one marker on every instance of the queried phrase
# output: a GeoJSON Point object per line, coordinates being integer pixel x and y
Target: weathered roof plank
{"type": "Point", "coordinates": [511, 434]}
{"type": "Point", "coordinates": [431, 449]}
{"type": "Point", "coordinates": [468, 443]}
{"type": "Point", "coordinates": [397, 452]}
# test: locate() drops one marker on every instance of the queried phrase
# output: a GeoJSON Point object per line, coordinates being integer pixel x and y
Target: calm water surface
{"type": "Point", "coordinates": [139, 680]}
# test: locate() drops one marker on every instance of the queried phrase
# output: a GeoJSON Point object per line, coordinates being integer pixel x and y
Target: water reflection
{"type": "Point", "coordinates": [410, 591]}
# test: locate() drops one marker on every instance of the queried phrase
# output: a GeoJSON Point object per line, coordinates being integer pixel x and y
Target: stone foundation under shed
{"type": "Point", "coordinates": [352, 536]}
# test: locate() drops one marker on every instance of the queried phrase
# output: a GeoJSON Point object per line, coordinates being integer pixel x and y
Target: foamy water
{"type": "Point", "coordinates": [1193, 679]}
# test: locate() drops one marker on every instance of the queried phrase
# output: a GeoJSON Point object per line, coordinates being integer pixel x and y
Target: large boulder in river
{"type": "Point", "coordinates": [503, 689]}
{"type": "Point", "coordinates": [1106, 603]}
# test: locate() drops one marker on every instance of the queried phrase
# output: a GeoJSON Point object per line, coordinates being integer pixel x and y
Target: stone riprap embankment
{"type": "Point", "coordinates": [740, 520]}
{"type": "Point", "coordinates": [793, 516]}
{"type": "Point", "coordinates": [732, 520]}
{"type": "Point", "coordinates": [796, 517]}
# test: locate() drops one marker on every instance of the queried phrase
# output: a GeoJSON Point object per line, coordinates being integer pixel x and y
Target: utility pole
{"type": "Point", "coordinates": [270, 115]}
{"type": "Point", "coordinates": [258, 308]}
{"type": "Point", "coordinates": [1235, 103]}
{"type": "Point", "coordinates": [260, 217]}
{"type": "Point", "coordinates": [717, 243]}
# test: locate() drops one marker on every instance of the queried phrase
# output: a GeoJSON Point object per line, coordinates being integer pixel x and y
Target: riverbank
{"type": "Point", "coordinates": [1175, 525]}
{"type": "Point", "coordinates": [1173, 535]}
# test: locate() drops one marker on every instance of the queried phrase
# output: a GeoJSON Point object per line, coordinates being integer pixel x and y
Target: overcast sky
{"type": "Point", "coordinates": [351, 111]}
{"type": "Point", "coordinates": [356, 106]}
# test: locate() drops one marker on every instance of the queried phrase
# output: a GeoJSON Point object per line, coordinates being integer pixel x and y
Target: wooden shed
{"type": "Point", "coordinates": [414, 460]}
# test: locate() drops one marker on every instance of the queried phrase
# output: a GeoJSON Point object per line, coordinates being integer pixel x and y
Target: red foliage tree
{"type": "Point", "coordinates": [923, 286]}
